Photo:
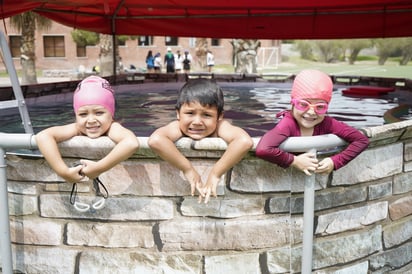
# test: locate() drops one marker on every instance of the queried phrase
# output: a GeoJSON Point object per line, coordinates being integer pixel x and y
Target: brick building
{"type": "Point", "coordinates": [55, 49]}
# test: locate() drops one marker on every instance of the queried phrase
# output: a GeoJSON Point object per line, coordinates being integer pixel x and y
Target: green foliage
{"type": "Point", "coordinates": [366, 58]}
{"type": "Point", "coordinates": [305, 48]}
{"type": "Point", "coordinates": [122, 38]}
{"type": "Point", "coordinates": [85, 38]}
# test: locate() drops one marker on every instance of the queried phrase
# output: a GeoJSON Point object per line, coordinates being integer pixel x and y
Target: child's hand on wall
{"type": "Point", "coordinates": [209, 188]}
{"type": "Point", "coordinates": [194, 179]}
{"type": "Point", "coordinates": [90, 169]}
{"type": "Point", "coordinates": [325, 166]}
{"type": "Point", "coordinates": [73, 174]}
{"type": "Point", "coordinates": [306, 162]}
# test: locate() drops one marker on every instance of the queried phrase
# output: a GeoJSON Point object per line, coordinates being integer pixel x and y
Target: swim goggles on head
{"type": "Point", "coordinates": [303, 105]}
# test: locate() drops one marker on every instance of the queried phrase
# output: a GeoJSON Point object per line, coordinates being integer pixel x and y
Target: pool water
{"type": "Point", "coordinates": [145, 107]}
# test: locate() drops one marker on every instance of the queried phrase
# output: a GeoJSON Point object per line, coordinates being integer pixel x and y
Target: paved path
{"type": "Point", "coordinates": [5, 81]}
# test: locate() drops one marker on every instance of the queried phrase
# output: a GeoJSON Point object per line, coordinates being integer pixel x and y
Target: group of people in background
{"type": "Point", "coordinates": [177, 62]}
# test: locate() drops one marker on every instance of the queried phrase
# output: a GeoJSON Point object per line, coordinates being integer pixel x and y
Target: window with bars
{"type": "Point", "coordinates": [145, 41]}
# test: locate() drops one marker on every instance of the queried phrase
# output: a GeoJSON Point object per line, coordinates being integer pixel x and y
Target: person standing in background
{"type": "Point", "coordinates": [157, 63]}
{"type": "Point", "coordinates": [170, 61]}
{"type": "Point", "coordinates": [210, 60]}
{"type": "Point", "coordinates": [178, 61]}
{"type": "Point", "coordinates": [187, 59]}
{"type": "Point", "coordinates": [150, 62]}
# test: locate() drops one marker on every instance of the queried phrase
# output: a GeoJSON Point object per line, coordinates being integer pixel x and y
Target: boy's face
{"type": "Point", "coordinates": [197, 121]}
{"type": "Point", "coordinates": [93, 120]}
{"type": "Point", "coordinates": [308, 118]}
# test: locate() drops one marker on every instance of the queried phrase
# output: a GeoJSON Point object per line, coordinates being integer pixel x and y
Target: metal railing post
{"type": "Point", "coordinates": [5, 240]}
{"type": "Point", "coordinates": [308, 221]}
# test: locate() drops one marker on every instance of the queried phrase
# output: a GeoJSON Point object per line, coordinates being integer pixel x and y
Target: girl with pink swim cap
{"type": "Point", "coordinates": [310, 97]}
{"type": "Point", "coordinates": [94, 107]}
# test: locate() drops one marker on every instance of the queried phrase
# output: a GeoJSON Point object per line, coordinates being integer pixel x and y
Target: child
{"type": "Point", "coordinates": [94, 107]}
{"type": "Point", "coordinates": [311, 94]}
{"type": "Point", "coordinates": [199, 111]}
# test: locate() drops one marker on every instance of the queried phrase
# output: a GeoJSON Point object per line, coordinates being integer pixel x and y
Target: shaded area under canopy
{"type": "Point", "coordinates": [263, 19]}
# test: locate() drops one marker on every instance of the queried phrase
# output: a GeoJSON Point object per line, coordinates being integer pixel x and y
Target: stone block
{"type": "Point", "coordinates": [233, 234]}
{"type": "Point", "coordinates": [223, 207]}
{"type": "Point", "coordinates": [118, 261]}
{"type": "Point", "coordinates": [115, 209]}
{"type": "Point", "coordinates": [394, 258]}
{"type": "Point", "coordinates": [397, 233]}
{"type": "Point", "coordinates": [353, 218]}
{"type": "Point", "coordinates": [381, 189]}
{"type": "Point", "coordinates": [36, 231]}
{"type": "Point", "coordinates": [233, 263]}
{"type": "Point", "coordinates": [371, 164]}
{"type": "Point", "coordinates": [400, 208]}
{"type": "Point", "coordinates": [22, 205]}
{"type": "Point", "coordinates": [110, 235]}
{"type": "Point", "coordinates": [402, 183]}
{"type": "Point", "coordinates": [38, 259]}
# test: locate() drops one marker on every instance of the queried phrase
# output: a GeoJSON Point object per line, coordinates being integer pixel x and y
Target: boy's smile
{"type": "Point", "coordinates": [197, 121]}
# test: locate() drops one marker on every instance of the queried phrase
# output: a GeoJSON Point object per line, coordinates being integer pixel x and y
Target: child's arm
{"type": "Point", "coordinates": [357, 142]}
{"type": "Point", "coordinates": [126, 145]}
{"type": "Point", "coordinates": [162, 141]}
{"type": "Point", "coordinates": [47, 141]}
{"type": "Point", "coordinates": [238, 145]}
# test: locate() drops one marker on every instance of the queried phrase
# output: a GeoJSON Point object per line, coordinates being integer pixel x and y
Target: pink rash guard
{"type": "Point", "coordinates": [268, 146]}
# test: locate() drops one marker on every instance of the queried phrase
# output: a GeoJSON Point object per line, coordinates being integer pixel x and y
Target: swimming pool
{"type": "Point", "coordinates": [252, 106]}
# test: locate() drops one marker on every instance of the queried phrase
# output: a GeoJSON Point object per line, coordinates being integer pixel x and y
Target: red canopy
{"type": "Point", "coordinates": [260, 19]}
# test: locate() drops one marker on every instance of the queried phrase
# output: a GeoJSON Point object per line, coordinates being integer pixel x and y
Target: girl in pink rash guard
{"type": "Point", "coordinates": [310, 96]}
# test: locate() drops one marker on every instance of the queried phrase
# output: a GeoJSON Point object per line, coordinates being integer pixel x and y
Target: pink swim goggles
{"type": "Point", "coordinates": [303, 105]}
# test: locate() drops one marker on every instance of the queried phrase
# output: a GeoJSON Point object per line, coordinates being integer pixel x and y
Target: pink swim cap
{"type": "Point", "coordinates": [94, 90]}
{"type": "Point", "coordinates": [312, 84]}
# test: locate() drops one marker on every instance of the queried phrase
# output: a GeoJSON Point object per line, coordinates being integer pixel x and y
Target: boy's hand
{"type": "Point", "coordinates": [209, 188]}
{"type": "Point", "coordinates": [325, 166]}
{"type": "Point", "coordinates": [306, 162]}
{"type": "Point", "coordinates": [195, 181]}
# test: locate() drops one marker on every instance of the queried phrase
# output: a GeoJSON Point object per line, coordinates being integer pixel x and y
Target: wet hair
{"type": "Point", "coordinates": [204, 91]}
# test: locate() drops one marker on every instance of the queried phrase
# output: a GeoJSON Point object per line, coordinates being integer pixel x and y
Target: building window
{"type": "Point", "coordinates": [81, 51]}
{"type": "Point", "coordinates": [192, 42]}
{"type": "Point", "coordinates": [15, 45]}
{"type": "Point", "coordinates": [145, 41]}
{"type": "Point", "coordinates": [54, 46]}
{"type": "Point", "coordinates": [215, 42]}
{"type": "Point", "coordinates": [171, 41]}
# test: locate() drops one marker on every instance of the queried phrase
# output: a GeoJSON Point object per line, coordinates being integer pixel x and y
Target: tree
{"type": "Point", "coordinates": [329, 50]}
{"type": "Point", "coordinates": [355, 46]}
{"type": "Point", "coordinates": [305, 49]}
{"type": "Point", "coordinates": [200, 52]}
{"type": "Point", "coordinates": [106, 55]}
{"type": "Point", "coordinates": [26, 23]}
{"type": "Point", "coordinates": [406, 50]}
{"type": "Point", "coordinates": [85, 38]}
{"type": "Point", "coordinates": [245, 52]}
{"type": "Point", "coordinates": [385, 49]}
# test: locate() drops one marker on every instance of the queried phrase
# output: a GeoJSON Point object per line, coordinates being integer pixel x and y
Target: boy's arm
{"type": "Point", "coordinates": [238, 145]}
{"type": "Point", "coordinates": [162, 141]}
{"type": "Point", "coordinates": [47, 141]}
{"type": "Point", "coordinates": [126, 145]}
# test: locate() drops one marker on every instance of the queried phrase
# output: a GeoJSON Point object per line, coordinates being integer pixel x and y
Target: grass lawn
{"type": "Point", "coordinates": [391, 69]}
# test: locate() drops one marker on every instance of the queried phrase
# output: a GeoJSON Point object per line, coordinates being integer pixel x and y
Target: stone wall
{"type": "Point", "coordinates": [151, 224]}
